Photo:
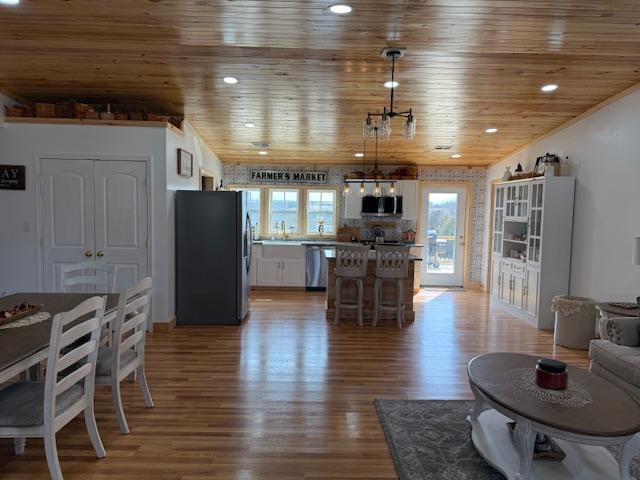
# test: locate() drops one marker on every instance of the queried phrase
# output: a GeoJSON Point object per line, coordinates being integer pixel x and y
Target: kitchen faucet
{"type": "Point", "coordinates": [284, 230]}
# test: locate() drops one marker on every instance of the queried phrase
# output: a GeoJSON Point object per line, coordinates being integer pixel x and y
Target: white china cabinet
{"type": "Point", "coordinates": [531, 252]}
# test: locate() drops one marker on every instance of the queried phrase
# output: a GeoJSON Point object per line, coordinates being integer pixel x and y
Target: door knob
{"type": "Point", "coordinates": [88, 253]}
{"type": "Point", "coordinates": [100, 254]}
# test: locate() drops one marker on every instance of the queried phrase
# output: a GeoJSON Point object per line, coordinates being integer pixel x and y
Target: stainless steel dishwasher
{"type": "Point", "coordinates": [316, 267]}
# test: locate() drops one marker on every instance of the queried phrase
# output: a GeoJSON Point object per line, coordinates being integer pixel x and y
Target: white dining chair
{"type": "Point", "coordinates": [94, 274]}
{"type": "Point", "coordinates": [125, 355]}
{"type": "Point", "coordinates": [36, 410]}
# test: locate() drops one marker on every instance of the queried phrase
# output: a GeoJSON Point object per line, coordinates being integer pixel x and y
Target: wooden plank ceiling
{"type": "Point", "coordinates": [307, 77]}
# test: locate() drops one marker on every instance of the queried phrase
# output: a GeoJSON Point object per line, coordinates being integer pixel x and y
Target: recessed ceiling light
{"type": "Point", "coordinates": [491, 130]}
{"type": "Point", "coordinates": [9, 2]}
{"type": "Point", "coordinates": [391, 84]}
{"type": "Point", "coordinates": [549, 88]}
{"type": "Point", "coordinates": [262, 152]}
{"type": "Point", "coordinates": [456, 155]}
{"type": "Point", "coordinates": [340, 9]}
{"type": "Point", "coordinates": [359, 155]}
{"type": "Point", "coordinates": [250, 125]}
{"type": "Point", "coordinates": [230, 80]}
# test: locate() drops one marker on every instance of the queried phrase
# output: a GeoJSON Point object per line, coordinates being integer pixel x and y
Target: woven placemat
{"type": "Point", "coordinates": [573, 396]}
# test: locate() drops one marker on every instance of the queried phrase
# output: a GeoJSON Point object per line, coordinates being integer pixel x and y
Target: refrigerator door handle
{"type": "Point", "coordinates": [249, 236]}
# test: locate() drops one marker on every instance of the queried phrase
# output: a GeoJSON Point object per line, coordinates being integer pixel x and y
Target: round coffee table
{"type": "Point", "coordinates": [607, 416]}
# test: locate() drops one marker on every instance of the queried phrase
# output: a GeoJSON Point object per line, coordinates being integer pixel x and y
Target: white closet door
{"type": "Point", "coordinates": [121, 219]}
{"type": "Point", "coordinates": [67, 197]}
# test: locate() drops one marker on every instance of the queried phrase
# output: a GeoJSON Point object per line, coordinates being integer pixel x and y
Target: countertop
{"type": "Point", "coordinates": [318, 243]}
{"type": "Point", "coordinates": [331, 255]}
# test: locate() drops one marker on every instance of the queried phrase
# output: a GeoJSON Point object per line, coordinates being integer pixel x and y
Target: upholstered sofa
{"type": "Point", "coordinates": [615, 356]}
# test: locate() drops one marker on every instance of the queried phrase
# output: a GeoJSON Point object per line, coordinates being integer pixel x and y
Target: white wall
{"type": "Point", "coordinates": [603, 151]}
{"type": "Point", "coordinates": [21, 144]}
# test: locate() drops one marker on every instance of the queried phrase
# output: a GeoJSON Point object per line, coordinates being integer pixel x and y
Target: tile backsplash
{"type": "Point", "coordinates": [238, 174]}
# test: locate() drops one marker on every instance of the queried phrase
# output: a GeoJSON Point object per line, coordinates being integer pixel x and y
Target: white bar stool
{"type": "Point", "coordinates": [351, 263]}
{"type": "Point", "coordinates": [392, 263]}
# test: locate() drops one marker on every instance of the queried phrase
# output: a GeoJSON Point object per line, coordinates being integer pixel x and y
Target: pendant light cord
{"type": "Point", "coordinates": [393, 71]}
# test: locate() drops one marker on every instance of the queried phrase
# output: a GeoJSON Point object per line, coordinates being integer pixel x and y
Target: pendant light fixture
{"type": "Point", "coordinates": [381, 127]}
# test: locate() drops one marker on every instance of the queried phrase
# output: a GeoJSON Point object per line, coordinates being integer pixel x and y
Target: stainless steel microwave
{"type": "Point", "coordinates": [381, 206]}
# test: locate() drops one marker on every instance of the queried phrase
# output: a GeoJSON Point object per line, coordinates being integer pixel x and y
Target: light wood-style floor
{"type": "Point", "coordinates": [287, 395]}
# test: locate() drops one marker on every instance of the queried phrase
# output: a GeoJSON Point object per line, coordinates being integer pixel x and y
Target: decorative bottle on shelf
{"type": "Point", "coordinates": [507, 174]}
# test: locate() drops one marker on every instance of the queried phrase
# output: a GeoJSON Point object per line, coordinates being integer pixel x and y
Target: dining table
{"type": "Point", "coordinates": [26, 346]}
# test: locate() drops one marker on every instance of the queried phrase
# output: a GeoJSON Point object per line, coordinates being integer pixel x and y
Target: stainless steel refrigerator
{"type": "Point", "coordinates": [213, 256]}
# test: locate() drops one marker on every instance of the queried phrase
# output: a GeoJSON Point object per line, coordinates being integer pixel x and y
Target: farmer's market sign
{"type": "Point", "coordinates": [12, 177]}
{"type": "Point", "coordinates": [288, 176]}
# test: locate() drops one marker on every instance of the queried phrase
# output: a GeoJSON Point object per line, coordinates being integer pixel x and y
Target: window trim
{"type": "Point", "coordinates": [335, 210]}
{"type": "Point", "coordinates": [265, 207]}
{"type": "Point", "coordinates": [272, 189]}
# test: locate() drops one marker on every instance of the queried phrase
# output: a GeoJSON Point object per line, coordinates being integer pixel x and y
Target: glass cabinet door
{"type": "Point", "coordinates": [535, 223]}
{"type": "Point", "coordinates": [523, 200]}
{"type": "Point", "coordinates": [498, 220]}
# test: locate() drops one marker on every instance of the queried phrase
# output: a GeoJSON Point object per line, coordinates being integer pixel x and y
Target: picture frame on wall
{"type": "Point", "coordinates": [185, 163]}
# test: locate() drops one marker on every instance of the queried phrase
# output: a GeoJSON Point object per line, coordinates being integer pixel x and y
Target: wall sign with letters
{"type": "Point", "coordinates": [12, 177]}
{"type": "Point", "coordinates": [288, 176]}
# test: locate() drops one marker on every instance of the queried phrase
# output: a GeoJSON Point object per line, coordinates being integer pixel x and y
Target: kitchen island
{"type": "Point", "coordinates": [349, 290]}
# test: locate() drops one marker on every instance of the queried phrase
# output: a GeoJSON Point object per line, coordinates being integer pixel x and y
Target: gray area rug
{"type": "Point", "coordinates": [431, 440]}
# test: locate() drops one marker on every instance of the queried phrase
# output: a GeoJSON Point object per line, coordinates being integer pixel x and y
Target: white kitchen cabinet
{"type": "Point", "coordinates": [409, 191]}
{"type": "Point", "coordinates": [256, 252]}
{"type": "Point", "coordinates": [269, 273]}
{"type": "Point", "coordinates": [293, 273]}
{"type": "Point", "coordinates": [353, 202]}
{"type": "Point", "coordinates": [280, 265]}
{"type": "Point", "coordinates": [534, 219]}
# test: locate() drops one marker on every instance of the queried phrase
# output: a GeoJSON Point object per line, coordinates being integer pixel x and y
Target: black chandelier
{"type": "Point", "coordinates": [378, 125]}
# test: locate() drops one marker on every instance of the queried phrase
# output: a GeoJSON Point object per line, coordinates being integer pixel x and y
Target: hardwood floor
{"type": "Point", "coordinates": [287, 395]}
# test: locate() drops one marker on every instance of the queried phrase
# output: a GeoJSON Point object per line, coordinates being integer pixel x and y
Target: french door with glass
{"type": "Point", "coordinates": [443, 235]}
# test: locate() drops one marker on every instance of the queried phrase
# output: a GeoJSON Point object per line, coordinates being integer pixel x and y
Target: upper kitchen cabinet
{"type": "Point", "coordinates": [353, 202]}
{"type": "Point", "coordinates": [409, 191]}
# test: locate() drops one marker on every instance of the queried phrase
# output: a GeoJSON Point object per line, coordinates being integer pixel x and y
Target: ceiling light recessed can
{"type": "Point", "coordinates": [262, 152]}
{"type": "Point", "coordinates": [359, 155]}
{"type": "Point", "coordinates": [549, 88]}
{"type": "Point", "coordinates": [9, 2]}
{"type": "Point", "coordinates": [340, 9]}
{"type": "Point", "coordinates": [391, 84]}
{"type": "Point", "coordinates": [456, 155]}
{"type": "Point", "coordinates": [230, 80]}
{"type": "Point", "coordinates": [250, 125]}
{"type": "Point", "coordinates": [491, 130]}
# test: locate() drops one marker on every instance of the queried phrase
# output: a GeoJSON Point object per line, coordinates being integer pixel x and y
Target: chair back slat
{"type": "Point", "coordinates": [392, 261]}
{"type": "Point", "coordinates": [132, 340]}
{"type": "Point", "coordinates": [75, 355]}
{"type": "Point", "coordinates": [136, 304]}
{"type": "Point", "coordinates": [352, 260]}
{"type": "Point", "coordinates": [84, 325]}
{"type": "Point", "coordinates": [88, 274]}
{"type": "Point", "coordinates": [70, 379]}
{"type": "Point", "coordinates": [131, 323]}
{"type": "Point", "coordinates": [74, 333]}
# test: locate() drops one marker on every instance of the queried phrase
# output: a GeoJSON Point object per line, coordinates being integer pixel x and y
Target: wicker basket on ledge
{"type": "Point", "coordinates": [45, 110]}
